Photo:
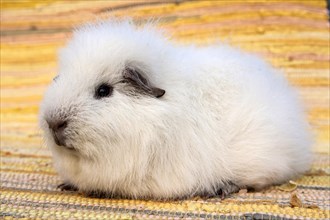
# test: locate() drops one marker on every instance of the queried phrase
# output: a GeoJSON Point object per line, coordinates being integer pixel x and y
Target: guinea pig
{"type": "Point", "coordinates": [133, 115]}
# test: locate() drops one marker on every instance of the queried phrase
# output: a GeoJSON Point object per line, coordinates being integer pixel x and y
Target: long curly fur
{"type": "Point", "coordinates": [226, 118]}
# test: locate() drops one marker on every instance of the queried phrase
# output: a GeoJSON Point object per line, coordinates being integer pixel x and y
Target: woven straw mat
{"type": "Point", "coordinates": [292, 35]}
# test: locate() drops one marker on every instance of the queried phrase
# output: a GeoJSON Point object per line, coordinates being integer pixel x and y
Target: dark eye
{"type": "Point", "coordinates": [55, 78]}
{"type": "Point", "coordinates": [104, 90]}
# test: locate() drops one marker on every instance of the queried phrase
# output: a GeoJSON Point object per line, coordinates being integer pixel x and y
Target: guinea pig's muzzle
{"type": "Point", "coordinates": [57, 128]}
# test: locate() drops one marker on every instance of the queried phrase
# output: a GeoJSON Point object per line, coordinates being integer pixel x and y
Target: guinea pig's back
{"type": "Point", "coordinates": [257, 114]}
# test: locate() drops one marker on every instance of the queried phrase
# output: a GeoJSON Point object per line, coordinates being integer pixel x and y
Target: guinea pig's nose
{"type": "Point", "coordinates": [58, 127]}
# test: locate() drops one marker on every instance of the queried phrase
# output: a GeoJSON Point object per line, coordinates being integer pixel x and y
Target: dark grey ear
{"type": "Point", "coordinates": [137, 80]}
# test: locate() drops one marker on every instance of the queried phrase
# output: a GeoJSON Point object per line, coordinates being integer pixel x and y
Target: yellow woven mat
{"type": "Point", "coordinates": [293, 35]}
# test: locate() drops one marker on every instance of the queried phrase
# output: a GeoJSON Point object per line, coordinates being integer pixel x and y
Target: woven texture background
{"type": "Point", "coordinates": [292, 35]}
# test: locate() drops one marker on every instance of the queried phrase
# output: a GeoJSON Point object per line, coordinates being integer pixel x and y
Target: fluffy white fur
{"type": "Point", "coordinates": [226, 116]}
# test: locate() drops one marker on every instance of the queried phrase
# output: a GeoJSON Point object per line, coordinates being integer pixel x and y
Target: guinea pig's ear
{"type": "Point", "coordinates": [135, 77]}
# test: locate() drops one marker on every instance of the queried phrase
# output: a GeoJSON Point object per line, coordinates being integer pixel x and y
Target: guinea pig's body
{"type": "Point", "coordinates": [227, 120]}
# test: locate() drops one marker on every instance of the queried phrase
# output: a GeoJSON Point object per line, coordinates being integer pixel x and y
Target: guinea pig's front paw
{"type": "Point", "coordinates": [227, 189]}
{"type": "Point", "coordinates": [97, 194]}
{"type": "Point", "coordinates": [67, 187]}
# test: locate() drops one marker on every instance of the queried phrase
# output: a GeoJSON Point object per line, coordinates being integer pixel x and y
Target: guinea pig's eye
{"type": "Point", "coordinates": [55, 78]}
{"type": "Point", "coordinates": [104, 90]}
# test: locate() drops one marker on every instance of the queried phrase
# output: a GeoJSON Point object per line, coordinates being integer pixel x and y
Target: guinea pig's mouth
{"type": "Point", "coordinates": [68, 147]}
{"type": "Point", "coordinates": [61, 140]}
{"type": "Point", "coordinates": [60, 132]}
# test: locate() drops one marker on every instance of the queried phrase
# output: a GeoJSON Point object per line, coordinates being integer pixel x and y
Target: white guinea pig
{"type": "Point", "coordinates": [132, 115]}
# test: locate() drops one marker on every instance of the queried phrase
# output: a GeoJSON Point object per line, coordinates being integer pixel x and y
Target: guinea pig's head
{"type": "Point", "coordinates": [106, 100]}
